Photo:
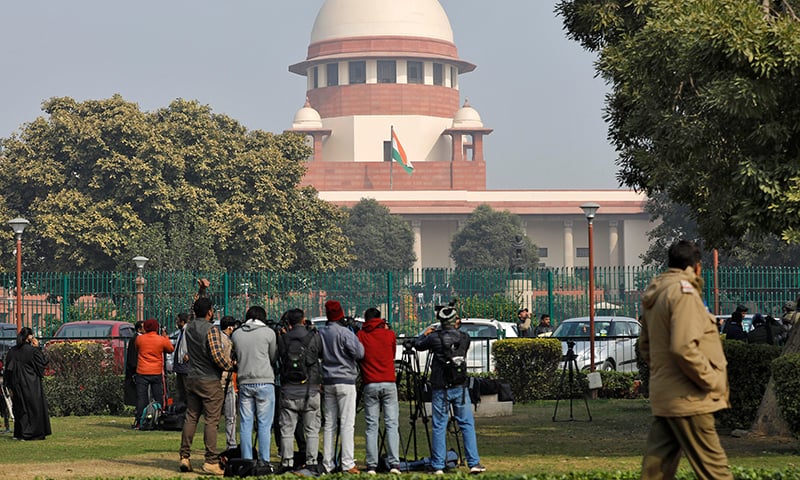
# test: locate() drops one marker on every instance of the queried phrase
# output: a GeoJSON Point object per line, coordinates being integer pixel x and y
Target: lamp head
{"type": "Point", "coordinates": [18, 225]}
{"type": "Point", "coordinates": [140, 262]}
{"type": "Point", "coordinates": [589, 209]}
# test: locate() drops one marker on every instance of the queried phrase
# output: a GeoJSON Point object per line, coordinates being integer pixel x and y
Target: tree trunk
{"type": "Point", "coordinates": [769, 421]}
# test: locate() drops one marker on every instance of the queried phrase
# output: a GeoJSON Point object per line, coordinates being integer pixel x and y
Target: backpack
{"type": "Point", "coordinates": [294, 367]}
{"type": "Point", "coordinates": [455, 366]}
{"type": "Point", "coordinates": [150, 416]}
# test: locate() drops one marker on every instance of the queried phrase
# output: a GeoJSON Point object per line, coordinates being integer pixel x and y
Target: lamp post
{"type": "Point", "coordinates": [246, 287]}
{"type": "Point", "coordinates": [589, 209]}
{"type": "Point", "coordinates": [18, 225]}
{"type": "Point", "coordinates": [140, 262]}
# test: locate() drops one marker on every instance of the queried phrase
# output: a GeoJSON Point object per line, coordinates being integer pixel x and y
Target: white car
{"type": "Point", "coordinates": [483, 333]}
{"type": "Point", "coordinates": [614, 342]}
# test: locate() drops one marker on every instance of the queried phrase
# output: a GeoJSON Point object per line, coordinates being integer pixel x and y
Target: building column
{"type": "Point", "coordinates": [416, 227]}
{"type": "Point", "coordinates": [569, 247]}
{"type": "Point", "coordinates": [613, 244]}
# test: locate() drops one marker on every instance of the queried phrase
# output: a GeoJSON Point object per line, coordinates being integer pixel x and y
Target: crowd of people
{"type": "Point", "coordinates": [764, 329]}
{"type": "Point", "coordinates": [526, 329]}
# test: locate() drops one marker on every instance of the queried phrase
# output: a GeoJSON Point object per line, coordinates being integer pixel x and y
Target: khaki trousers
{"type": "Point", "coordinates": [206, 397]}
{"type": "Point", "coordinates": [696, 436]}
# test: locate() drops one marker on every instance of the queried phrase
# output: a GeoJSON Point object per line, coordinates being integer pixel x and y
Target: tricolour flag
{"type": "Point", "coordinates": [399, 155]}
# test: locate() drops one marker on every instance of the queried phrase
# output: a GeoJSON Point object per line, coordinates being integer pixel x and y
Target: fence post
{"type": "Point", "coordinates": [64, 297]}
{"type": "Point", "coordinates": [550, 294]}
{"type": "Point", "coordinates": [390, 312]}
{"type": "Point", "coordinates": [225, 282]}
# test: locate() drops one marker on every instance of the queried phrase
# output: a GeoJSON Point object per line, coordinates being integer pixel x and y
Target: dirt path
{"type": "Point", "coordinates": [157, 465]}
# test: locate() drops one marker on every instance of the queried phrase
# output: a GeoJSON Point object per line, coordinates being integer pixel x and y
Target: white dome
{"type": "Point", "coordinates": [307, 117]}
{"type": "Point", "coordinates": [467, 117]}
{"type": "Point", "coordinates": [367, 18]}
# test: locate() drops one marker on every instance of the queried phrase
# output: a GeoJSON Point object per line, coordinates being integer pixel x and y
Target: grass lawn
{"type": "Point", "coordinates": [527, 442]}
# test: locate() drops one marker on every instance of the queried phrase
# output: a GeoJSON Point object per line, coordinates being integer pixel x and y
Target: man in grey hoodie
{"type": "Point", "coordinates": [341, 351]}
{"type": "Point", "coordinates": [255, 349]}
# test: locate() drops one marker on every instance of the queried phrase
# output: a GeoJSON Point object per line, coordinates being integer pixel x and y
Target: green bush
{"type": "Point", "coordinates": [748, 374]}
{"type": "Point", "coordinates": [78, 383]}
{"type": "Point", "coordinates": [618, 385]}
{"type": "Point", "coordinates": [529, 365]}
{"type": "Point", "coordinates": [787, 389]}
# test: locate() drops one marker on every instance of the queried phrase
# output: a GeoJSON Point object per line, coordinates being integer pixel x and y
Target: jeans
{"type": "Point", "coordinates": [290, 411]}
{"type": "Point", "coordinates": [377, 395]}
{"type": "Point", "coordinates": [256, 400]}
{"type": "Point", "coordinates": [146, 386]}
{"type": "Point", "coordinates": [340, 407]}
{"type": "Point", "coordinates": [441, 400]}
{"type": "Point", "coordinates": [202, 396]}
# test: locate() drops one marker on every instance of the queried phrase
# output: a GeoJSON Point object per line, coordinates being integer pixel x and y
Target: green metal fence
{"type": "Point", "coordinates": [407, 298]}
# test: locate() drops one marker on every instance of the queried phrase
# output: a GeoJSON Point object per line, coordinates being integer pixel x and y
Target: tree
{"type": "Point", "coordinates": [102, 181]}
{"type": "Point", "coordinates": [381, 241]}
{"type": "Point", "coordinates": [704, 105]}
{"type": "Point", "coordinates": [493, 240]}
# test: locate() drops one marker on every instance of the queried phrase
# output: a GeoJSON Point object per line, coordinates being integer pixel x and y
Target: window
{"type": "Point", "coordinates": [582, 252]}
{"type": "Point", "coordinates": [543, 252]}
{"type": "Point", "coordinates": [387, 71]}
{"type": "Point", "coordinates": [315, 77]}
{"type": "Point", "coordinates": [332, 69]}
{"type": "Point", "coordinates": [414, 72]}
{"type": "Point", "coordinates": [438, 74]}
{"type": "Point", "coordinates": [453, 77]}
{"type": "Point", "coordinates": [358, 72]}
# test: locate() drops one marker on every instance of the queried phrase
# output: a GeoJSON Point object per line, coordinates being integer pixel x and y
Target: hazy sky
{"type": "Point", "coordinates": [533, 86]}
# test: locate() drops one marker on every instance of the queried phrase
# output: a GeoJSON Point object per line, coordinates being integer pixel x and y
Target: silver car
{"type": "Point", "coordinates": [614, 342]}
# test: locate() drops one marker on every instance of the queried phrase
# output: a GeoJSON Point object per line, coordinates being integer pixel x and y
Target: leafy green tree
{"type": "Point", "coordinates": [493, 240]}
{"type": "Point", "coordinates": [381, 241]}
{"type": "Point", "coordinates": [102, 181]}
{"type": "Point", "coordinates": [704, 105]}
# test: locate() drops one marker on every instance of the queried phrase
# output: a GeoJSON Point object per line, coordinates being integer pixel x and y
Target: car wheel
{"type": "Point", "coordinates": [609, 366]}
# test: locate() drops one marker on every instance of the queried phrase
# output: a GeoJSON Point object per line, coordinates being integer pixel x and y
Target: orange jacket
{"type": "Point", "coordinates": [151, 347]}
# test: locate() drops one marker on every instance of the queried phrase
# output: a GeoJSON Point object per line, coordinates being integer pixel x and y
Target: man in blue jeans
{"type": "Point", "coordinates": [255, 349]}
{"type": "Point", "coordinates": [380, 390]}
{"type": "Point", "coordinates": [447, 343]}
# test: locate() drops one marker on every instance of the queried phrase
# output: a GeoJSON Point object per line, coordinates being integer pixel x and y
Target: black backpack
{"type": "Point", "coordinates": [294, 366]}
{"type": "Point", "coordinates": [455, 366]}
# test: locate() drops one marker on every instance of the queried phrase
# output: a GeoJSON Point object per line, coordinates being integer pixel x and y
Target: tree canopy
{"type": "Point", "coordinates": [493, 240]}
{"type": "Point", "coordinates": [381, 241]}
{"type": "Point", "coordinates": [704, 105]}
{"type": "Point", "coordinates": [102, 181]}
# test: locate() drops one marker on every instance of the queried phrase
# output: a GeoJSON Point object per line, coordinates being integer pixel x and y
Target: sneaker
{"type": "Point", "coordinates": [212, 469]}
{"type": "Point", "coordinates": [353, 471]}
{"type": "Point", "coordinates": [395, 470]}
{"type": "Point", "coordinates": [439, 472]}
{"type": "Point", "coordinates": [186, 465]}
{"type": "Point", "coordinates": [477, 468]}
{"type": "Point", "coordinates": [371, 471]}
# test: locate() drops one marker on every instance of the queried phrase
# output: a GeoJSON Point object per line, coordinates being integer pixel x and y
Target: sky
{"type": "Point", "coordinates": [533, 86]}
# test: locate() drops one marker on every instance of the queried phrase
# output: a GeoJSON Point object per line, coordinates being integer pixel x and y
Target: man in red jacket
{"type": "Point", "coordinates": [377, 375]}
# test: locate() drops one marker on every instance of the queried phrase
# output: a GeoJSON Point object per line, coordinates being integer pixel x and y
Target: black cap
{"type": "Point", "coordinates": [522, 310]}
{"type": "Point", "coordinates": [741, 308]}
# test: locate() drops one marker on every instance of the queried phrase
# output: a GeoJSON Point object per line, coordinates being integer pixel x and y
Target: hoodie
{"type": "Point", "coordinates": [380, 345]}
{"type": "Point", "coordinates": [681, 345]}
{"type": "Point", "coordinates": [255, 348]}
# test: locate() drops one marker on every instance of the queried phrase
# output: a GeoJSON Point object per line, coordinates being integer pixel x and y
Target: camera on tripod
{"type": "Point", "coordinates": [570, 355]}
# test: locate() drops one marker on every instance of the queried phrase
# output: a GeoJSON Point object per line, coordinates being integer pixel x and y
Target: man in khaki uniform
{"type": "Point", "coordinates": [688, 372]}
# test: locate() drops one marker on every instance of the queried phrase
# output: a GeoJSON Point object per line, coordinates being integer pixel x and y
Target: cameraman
{"type": "Point", "coordinates": [446, 343]}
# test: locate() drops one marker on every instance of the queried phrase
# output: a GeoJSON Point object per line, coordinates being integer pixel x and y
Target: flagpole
{"type": "Point", "coordinates": [391, 160]}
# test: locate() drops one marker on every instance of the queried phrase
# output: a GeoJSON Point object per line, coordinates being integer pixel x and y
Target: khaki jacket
{"type": "Point", "coordinates": [681, 345]}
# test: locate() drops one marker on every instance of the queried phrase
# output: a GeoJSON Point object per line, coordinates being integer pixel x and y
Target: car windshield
{"type": "Point", "coordinates": [479, 331]}
{"type": "Point", "coordinates": [581, 329]}
{"type": "Point", "coordinates": [84, 331]}
{"type": "Point", "coordinates": [8, 332]}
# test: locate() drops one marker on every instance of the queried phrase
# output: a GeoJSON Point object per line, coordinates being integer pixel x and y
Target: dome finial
{"type": "Point", "coordinates": [307, 104]}
{"type": "Point", "coordinates": [466, 102]}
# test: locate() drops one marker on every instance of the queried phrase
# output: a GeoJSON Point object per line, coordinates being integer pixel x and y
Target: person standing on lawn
{"type": "Point", "coordinates": [150, 348]}
{"type": "Point", "coordinates": [688, 372]}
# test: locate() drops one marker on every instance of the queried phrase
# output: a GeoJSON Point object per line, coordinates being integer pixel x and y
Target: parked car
{"type": "Point", "coordinates": [355, 323]}
{"type": "Point", "coordinates": [614, 342]}
{"type": "Point", "coordinates": [8, 338]}
{"type": "Point", "coordinates": [483, 333]}
{"type": "Point", "coordinates": [112, 334]}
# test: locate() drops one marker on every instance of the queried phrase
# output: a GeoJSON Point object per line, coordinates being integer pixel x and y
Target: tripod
{"type": "Point", "coordinates": [410, 387]}
{"type": "Point", "coordinates": [568, 372]}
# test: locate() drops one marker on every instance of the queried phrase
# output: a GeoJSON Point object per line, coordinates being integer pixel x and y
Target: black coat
{"type": "Point", "coordinates": [25, 366]}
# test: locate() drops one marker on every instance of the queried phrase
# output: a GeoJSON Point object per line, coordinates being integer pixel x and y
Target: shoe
{"type": "Point", "coordinates": [439, 472]}
{"type": "Point", "coordinates": [186, 465]}
{"type": "Point", "coordinates": [284, 469]}
{"type": "Point", "coordinates": [477, 469]}
{"type": "Point", "coordinates": [353, 471]}
{"type": "Point", "coordinates": [395, 470]}
{"type": "Point", "coordinates": [212, 469]}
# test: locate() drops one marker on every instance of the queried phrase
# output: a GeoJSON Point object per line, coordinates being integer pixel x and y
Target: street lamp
{"type": "Point", "coordinates": [18, 225]}
{"type": "Point", "coordinates": [589, 209]}
{"type": "Point", "coordinates": [140, 262]}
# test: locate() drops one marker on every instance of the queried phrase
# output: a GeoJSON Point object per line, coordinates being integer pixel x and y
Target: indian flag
{"type": "Point", "coordinates": [399, 155]}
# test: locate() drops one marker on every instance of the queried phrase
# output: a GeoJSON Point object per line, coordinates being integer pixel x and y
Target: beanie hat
{"type": "Point", "coordinates": [151, 325]}
{"type": "Point", "coordinates": [447, 315]}
{"type": "Point", "coordinates": [333, 310]}
{"type": "Point", "coordinates": [789, 306]}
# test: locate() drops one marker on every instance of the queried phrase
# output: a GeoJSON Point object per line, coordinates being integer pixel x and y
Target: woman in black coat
{"type": "Point", "coordinates": [24, 370]}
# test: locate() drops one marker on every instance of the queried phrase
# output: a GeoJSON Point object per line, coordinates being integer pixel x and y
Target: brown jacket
{"type": "Point", "coordinates": [681, 344]}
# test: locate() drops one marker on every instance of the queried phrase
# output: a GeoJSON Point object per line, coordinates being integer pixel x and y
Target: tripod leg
{"type": "Point", "coordinates": [560, 388]}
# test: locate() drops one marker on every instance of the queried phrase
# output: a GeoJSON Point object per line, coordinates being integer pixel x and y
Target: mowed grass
{"type": "Point", "coordinates": [529, 441]}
